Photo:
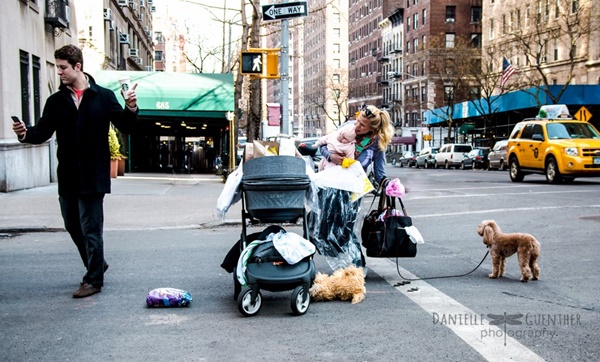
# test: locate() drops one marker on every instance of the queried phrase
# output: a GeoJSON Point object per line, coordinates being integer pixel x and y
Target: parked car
{"type": "Point", "coordinates": [426, 158]}
{"type": "Point", "coordinates": [408, 159]}
{"type": "Point", "coordinates": [497, 156]}
{"type": "Point", "coordinates": [451, 155]}
{"type": "Point", "coordinates": [476, 159]}
{"type": "Point", "coordinates": [555, 145]}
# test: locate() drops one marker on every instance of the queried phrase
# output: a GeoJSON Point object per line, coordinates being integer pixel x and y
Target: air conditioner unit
{"type": "Point", "coordinates": [108, 14]}
{"type": "Point", "coordinates": [140, 17]}
{"type": "Point", "coordinates": [133, 52]}
{"type": "Point", "coordinates": [122, 2]}
{"type": "Point", "coordinates": [153, 9]}
{"type": "Point", "coordinates": [450, 20]}
{"type": "Point", "coordinates": [149, 34]}
{"type": "Point", "coordinates": [150, 1]}
{"type": "Point", "coordinates": [148, 68]}
{"type": "Point", "coordinates": [140, 61]}
{"type": "Point", "coordinates": [133, 5]}
{"type": "Point", "coordinates": [123, 38]}
{"type": "Point", "coordinates": [142, 4]}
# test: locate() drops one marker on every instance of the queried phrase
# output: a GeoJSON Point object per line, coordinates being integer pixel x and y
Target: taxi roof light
{"type": "Point", "coordinates": [554, 111]}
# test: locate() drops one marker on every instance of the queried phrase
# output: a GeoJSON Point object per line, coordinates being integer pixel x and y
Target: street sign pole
{"type": "Point", "coordinates": [283, 11]}
{"type": "Point", "coordinates": [285, 79]}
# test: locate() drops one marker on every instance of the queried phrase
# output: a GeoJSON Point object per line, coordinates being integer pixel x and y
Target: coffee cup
{"type": "Point", "coordinates": [125, 85]}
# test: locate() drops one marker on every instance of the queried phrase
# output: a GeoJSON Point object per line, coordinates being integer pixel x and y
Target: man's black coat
{"type": "Point", "coordinates": [82, 136]}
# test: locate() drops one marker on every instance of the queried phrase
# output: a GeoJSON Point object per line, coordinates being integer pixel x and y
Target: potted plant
{"type": "Point", "coordinates": [115, 153]}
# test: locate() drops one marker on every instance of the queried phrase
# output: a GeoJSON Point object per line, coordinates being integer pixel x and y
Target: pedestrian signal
{"type": "Point", "coordinates": [252, 63]}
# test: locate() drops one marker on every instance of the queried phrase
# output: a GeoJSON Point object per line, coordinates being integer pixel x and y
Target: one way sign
{"type": "Point", "coordinates": [284, 11]}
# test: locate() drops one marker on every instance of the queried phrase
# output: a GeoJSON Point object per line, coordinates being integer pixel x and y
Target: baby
{"type": "Point", "coordinates": [340, 142]}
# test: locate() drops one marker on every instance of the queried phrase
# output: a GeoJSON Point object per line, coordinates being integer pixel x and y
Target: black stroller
{"type": "Point", "coordinates": [273, 191]}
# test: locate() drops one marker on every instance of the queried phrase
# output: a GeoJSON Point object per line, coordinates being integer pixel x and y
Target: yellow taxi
{"type": "Point", "coordinates": [555, 145]}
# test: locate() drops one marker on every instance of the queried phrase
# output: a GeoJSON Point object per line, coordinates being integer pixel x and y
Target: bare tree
{"type": "Point", "coordinates": [553, 40]}
{"type": "Point", "coordinates": [447, 69]}
{"type": "Point", "coordinates": [333, 100]}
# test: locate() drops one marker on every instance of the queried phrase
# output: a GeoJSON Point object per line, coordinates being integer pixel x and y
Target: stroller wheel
{"type": "Point", "coordinates": [245, 305]}
{"type": "Point", "coordinates": [300, 301]}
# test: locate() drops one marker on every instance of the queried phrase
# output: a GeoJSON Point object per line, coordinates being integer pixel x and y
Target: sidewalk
{"type": "Point", "coordinates": [137, 201]}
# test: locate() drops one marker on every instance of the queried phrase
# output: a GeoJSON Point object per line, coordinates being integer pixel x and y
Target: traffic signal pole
{"type": "Point", "coordinates": [285, 79]}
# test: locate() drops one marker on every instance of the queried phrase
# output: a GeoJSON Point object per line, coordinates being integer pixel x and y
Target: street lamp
{"type": "Point", "coordinates": [232, 154]}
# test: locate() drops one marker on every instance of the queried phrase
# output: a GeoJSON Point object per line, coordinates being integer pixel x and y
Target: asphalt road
{"type": "Point", "coordinates": [470, 318]}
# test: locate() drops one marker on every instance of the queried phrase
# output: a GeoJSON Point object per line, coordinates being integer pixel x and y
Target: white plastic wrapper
{"type": "Point", "coordinates": [292, 246]}
{"type": "Point", "coordinates": [230, 194]}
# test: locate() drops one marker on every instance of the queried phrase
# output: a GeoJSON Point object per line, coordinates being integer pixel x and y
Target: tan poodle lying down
{"type": "Point", "coordinates": [504, 245]}
{"type": "Point", "coordinates": [344, 284]}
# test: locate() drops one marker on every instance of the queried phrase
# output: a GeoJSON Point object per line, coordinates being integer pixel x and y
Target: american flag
{"type": "Point", "coordinates": [507, 71]}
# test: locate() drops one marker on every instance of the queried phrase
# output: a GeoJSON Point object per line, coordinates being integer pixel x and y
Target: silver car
{"type": "Point", "coordinates": [426, 158]}
{"type": "Point", "coordinates": [497, 157]}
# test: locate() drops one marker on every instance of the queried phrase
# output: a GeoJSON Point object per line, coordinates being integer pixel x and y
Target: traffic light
{"type": "Point", "coordinates": [252, 63]}
{"type": "Point", "coordinates": [272, 65]}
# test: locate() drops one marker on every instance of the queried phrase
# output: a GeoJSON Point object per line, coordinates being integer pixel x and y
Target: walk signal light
{"type": "Point", "coordinates": [252, 63]}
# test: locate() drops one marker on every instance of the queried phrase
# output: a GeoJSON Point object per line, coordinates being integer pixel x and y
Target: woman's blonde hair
{"type": "Point", "coordinates": [381, 124]}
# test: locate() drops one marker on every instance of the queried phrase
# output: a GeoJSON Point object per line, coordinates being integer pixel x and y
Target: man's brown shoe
{"type": "Point", "coordinates": [85, 290]}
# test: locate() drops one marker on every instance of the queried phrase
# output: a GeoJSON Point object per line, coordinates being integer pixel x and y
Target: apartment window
{"type": "Point", "coordinates": [336, 17]}
{"type": "Point", "coordinates": [511, 19]}
{"type": "Point", "coordinates": [337, 63]}
{"type": "Point", "coordinates": [37, 92]}
{"type": "Point", "coordinates": [158, 55]}
{"type": "Point", "coordinates": [574, 51]}
{"type": "Point", "coordinates": [408, 24]}
{"type": "Point", "coordinates": [424, 16]}
{"type": "Point", "coordinates": [574, 6]}
{"type": "Point", "coordinates": [415, 20]}
{"type": "Point", "coordinates": [415, 45]}
{"type": "Point", "coordinates": [423, 94]}
{"type": "Point", "coordinates": [24, 69]}
{"type": "Point", "coordinates": [518, 20]}
{"type": "Point", "coordinates": [415, 95]}
{"type": "Point", "coordinates": [337, 32]}
{"type": "Point", "coordinates": [476, 14]}
{"type": "Point", "coordinates": [527, 14]}
{"type": "Point", "coordinates": [450, 38]}
{"type": "Point", "coordinates": [491, 28]}
{"type": "Point", "coordinates": [408, 47]}
{"type": "Point", "coordinates": [504, 24]}
{"type": "Point", "coordinates": [450, 14]}
{"type": "Point", "coordinates": [475, 93]}
{"type": "Point", "coordinates": [423, 68]}
{"type": "Point", "coordinates": [448, 93]}
{"type": "Point", "coordinates": [476, 40]}
{"type": "Point", "coordinates": [415, 70]}
{"type": "Point", "coordinates": [336, 48]}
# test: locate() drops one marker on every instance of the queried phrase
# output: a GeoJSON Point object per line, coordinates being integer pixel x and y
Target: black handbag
{"type": "Point", "coordinates": [387, 238]}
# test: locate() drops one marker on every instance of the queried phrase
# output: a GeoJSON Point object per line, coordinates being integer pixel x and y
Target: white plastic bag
{"type": "Point", "coordinates": [230, 194]}
{"type": "Point", "coordinates": [353, 179]}
{"type": "Point", "coordinates": [292, 247]}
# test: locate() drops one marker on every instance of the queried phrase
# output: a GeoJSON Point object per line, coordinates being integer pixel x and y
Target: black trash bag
{"type": "Point", "coordinates": [331, 228]}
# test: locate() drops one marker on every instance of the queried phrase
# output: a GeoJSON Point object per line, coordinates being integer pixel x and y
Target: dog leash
{"type": "Point", "coordinates": [441, 276]}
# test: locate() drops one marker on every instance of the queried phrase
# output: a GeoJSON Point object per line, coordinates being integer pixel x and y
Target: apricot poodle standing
{"type": "Point", "coordinates": [502, 245]}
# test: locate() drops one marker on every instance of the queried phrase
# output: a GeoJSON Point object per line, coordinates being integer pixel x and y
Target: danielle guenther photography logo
{"type": "Point", "coordinates": [517, 326]}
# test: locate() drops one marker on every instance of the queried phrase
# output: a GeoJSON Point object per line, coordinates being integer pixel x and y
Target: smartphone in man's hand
{"type": "Point", "coordinates": [15, 119]}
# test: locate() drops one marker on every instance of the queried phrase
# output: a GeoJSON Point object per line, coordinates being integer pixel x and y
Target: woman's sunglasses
{"type": "Point", "coordinates": [368, 113]}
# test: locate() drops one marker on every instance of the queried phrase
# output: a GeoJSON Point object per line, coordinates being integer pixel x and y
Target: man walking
{"type": "Point", "coordinates": [81, 113]}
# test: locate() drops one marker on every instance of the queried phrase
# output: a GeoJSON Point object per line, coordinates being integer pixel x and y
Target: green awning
{"type": "Point", "coordinates": [466, 128]}
{"type": "Point", "coordinates": [175, 94]}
